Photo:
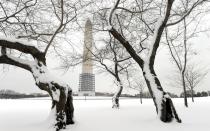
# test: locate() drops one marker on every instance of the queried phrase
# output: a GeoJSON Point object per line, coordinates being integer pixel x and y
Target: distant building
{"type": "Point", "coordinates": [87, 78]}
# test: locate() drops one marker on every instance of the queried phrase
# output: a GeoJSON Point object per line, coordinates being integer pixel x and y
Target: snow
{"type": "Point", "coordinates": [157, 93]}
{"type": "Point", "coordinates": [42, 74]}
{"type": "Point", "coordinates": [154, 36]}
{"type": "Point", "coordinates": [51, 119]}
{"type": "Point", "coordinates": [97, 115]}
{"type": "Point", "coordinates": [108, 27]}
{"type": "Point", "coordinates": [19, 60]}
{"type": "Point", "coordinates": [14, 40]}
{"type": "Point", "coordinates": [56, 95]}
{"type": "Point", "coordinates": [119, 85]}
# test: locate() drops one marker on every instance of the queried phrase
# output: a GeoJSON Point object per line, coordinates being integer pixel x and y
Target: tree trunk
{"type": "Point", "coordinates": [69, 108]}
{"type": "Point", "coordinates": [115, 98]}
{"type": "Point", "coordinates": [192, 95]}
{"type": "Point", "coordinates": [185, 63]}
{"type": "Point", "coordinates": [163, 103]}
{"type": "Point", "coordinates": [61, 94]}
{"type": "Point", "coordinates": [184, 89]}
{"type": "Point", "coordinates": [62, 105]}
{"type": "Point", "coordinates": [140, 94]}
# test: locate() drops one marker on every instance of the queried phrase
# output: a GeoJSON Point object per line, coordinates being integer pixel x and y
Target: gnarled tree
{"type": "Point", "coordinates": [152, 16]}
{"type": "Point", "coordinates": [28, 29]}
{"type": "Point", "coordinates": [162, 101]}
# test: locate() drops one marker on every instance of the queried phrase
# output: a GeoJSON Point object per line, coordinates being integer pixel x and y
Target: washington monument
{"type": "Point", "coordinates": [87, 78]}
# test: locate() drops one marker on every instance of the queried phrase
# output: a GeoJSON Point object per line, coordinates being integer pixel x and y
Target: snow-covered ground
{"type": "Point", "coordinates": [97, 115]}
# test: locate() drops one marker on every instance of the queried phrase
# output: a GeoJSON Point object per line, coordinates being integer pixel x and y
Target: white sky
{"type": "Point", "coordinates": [22, 81]}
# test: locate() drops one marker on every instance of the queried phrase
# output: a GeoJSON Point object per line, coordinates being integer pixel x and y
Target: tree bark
{"type": "Point", "coordinates": [163, 103]}
{"type": "Point", "coordinates": [61, 94]}
{"type": "Point", "coordinates": [184, 91]}
{"type": "Point", "coordinates": [115, 98]}
{"type": "Point", "coordinates": [192, 94]}
{"type": "Point", "coordinates": [185, 63]}
{"type": "Point", "coordinates": [140, 95]}
{"type": "Point", "coordinates": [62, 107]}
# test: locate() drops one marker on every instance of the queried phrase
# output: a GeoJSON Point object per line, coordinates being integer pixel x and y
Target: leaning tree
{"type": "Point", "coordinates": [28, 28]}
{"type": "Point", "coordinates": [151, 17]}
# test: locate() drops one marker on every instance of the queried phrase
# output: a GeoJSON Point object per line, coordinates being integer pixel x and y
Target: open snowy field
{"type": "Point", "coordinates": [97, 115]}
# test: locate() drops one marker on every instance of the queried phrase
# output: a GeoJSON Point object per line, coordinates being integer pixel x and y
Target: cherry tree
{"type": "Point", "coordinates": [163, 103]}
{"type": "Point", "coordinates": [151, 17]}
{"type": "Point", "coordinates": [113, 59]}
{"type": "Point", "coordinates": [28, 29]}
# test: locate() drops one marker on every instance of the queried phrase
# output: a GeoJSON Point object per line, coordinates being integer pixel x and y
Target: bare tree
{"type": "Point", "coordinates": [177, 58]}
{"type": "Point", "coordinates": [162, 101]}
{"type": "Point", "coordinates": [114, 60]}
{"type": "Point", "coordinates": [153, 17]}
{"type": "Point", "coordinates": [194, 77]}
{"type": "Point", "coordinates": [28, 29]}
{"type": "Point", "coordinates": [139, 86]}
{"type": "Point", "coordinates": [179, 43]}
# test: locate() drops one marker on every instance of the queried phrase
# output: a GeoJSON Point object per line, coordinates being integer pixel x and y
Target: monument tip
{"type": "Point", "coordinates": [88, 22]}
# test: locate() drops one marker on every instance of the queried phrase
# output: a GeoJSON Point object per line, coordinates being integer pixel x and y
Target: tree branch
{"type": "Point", "coordinates": [59, 27]}
{"type": "Point", "coordinates": [4, 59]}
{"type": "Point", "coordinates": [112, 11]}
{"type": "Point", "coordinates": [188, 12]}
{"type": "Point", "coordinates": [159, 31]}
{"type": "Point", "coordinates": [20, 46]}
{"type": "Point", "coordinates": [127, 45]}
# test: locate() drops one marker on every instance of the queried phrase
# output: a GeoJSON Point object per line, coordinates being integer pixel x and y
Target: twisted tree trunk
{"type": "Point", "coordinates": [60, 92]}
{"type": "Point", "coordinates": [163, 103]}
{"type": "Point", "coordinates": [61, 95]}
{"type": "Point", "coordinates": [62, 106]}
{"type": "Point", "coordinates": [63, 109]}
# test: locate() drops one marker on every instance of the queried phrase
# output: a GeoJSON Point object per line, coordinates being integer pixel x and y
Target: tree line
{"type": "Point", "coordinates": [10, 94]}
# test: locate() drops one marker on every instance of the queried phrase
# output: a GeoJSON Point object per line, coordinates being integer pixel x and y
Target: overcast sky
{"type": "Point", "coordinates": [22, 81]}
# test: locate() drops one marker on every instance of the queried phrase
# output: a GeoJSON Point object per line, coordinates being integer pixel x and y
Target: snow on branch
{"type": "Point", "coordinates": [10, 60]}
{"type": "Point", "coordinates": [127, 45]}
{"type": "Point", "coordinates": [161, 24]}
{"type": "Point", "coordinates": [14, 40]}
{"type": "Point", "coordinates": [20, 45]}
{"type": "Point", "coordinates": [149, 60]}
{"type": "Point", "coordinates": [43, 75]}
{"type": "Point", "coordinates": [22, 61]}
